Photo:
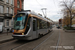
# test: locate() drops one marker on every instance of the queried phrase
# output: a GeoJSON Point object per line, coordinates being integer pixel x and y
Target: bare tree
{"type": "Point", "coordinates": [68, 5]}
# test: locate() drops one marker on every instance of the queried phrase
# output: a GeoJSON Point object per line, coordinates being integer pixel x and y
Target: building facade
{"type": "Point", "coordinates": [66, 18]}
{"type": "Point", "coordinates": [73, 20]}
{"type": "Point", "coordinates": [18, 6]}
{"type": "Point", "coordinates": [6, 13]}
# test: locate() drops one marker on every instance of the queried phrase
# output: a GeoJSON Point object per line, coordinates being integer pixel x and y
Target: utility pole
{"type": "Point", "coordinates": [44, 13]}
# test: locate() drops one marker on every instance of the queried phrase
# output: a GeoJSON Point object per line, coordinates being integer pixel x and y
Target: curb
{"type": "Point", "coordinates": [6, 40]}
{"type": "Point", "coordinates": [70, 31]}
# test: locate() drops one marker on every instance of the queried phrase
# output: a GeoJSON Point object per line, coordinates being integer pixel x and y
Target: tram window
{"type": "Point", "coordinates": [34, 22]}
{"type": "Point", "coordinates": [41, 24]}
{"type": "Point", "coordinates": [38, 24]}
{"type": "Point", "coordinates": [48, 25]}
{"type": "Point", "coordinates": [28, 25]}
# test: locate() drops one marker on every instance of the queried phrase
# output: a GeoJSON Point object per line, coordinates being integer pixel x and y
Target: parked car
{"type": "Point", "coordinates": [58, 27]}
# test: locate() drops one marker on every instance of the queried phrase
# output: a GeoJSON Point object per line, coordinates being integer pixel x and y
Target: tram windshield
{"type": "Point", "coordinates": [19, 21]}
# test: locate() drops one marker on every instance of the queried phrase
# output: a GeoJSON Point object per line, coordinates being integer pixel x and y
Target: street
{"type": "Point", "coordinates": [37, 24]}
{"type": "Point", "coordinates": [58, 39]}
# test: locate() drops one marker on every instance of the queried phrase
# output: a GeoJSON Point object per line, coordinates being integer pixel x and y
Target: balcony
{"type": "Point", "coordinates": [1, 2]}
{"type": "Point", "coordinates": [8, 16]}
{"type": "Point", "coordinates": [12, 5]}
{"type": "Point", "coordinates": [7, 4]}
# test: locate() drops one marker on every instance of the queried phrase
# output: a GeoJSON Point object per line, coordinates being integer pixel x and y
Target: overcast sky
{"type": "Point", "coordinates": [53, 7]}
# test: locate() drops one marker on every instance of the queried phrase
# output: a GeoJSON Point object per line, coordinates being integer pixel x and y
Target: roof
{"type": "Point", "coordinates": [35, 14]}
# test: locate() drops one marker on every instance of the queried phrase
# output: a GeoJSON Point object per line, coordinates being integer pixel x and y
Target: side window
{"type": "Point", "coordinates": [7, 23]}
{"type": "Point", "coordinates": [34, 22]}
{"type": "Point", "coordinates": [28, 24]}
{"type": "Point", "coordinates": [38, 24]}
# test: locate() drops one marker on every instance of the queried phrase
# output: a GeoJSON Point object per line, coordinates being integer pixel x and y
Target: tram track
{"type": "Point", "coordinates": [20, 45]}
{"type": "Point", "coordinates": [15, 44]}
{"type": "Point", "coordinates": [5, 41]}
{"type": "Point", "coordinates": [12, 44]}
{"type": "Point", "coordinates": [42, 42]}
{"type": "Point", "coordinates": [24, 45]}
{"type": "Point", "coordinates": [57, 42]}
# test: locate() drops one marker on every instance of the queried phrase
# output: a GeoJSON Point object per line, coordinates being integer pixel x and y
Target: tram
{"type": "Point", "coordinates": [28, 25]}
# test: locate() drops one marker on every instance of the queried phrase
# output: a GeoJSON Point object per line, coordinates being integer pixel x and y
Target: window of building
{"type": "Point", "coordinates": [12, 2]}
{"type": "Point", "coordinates": [1, 9]}
{"type": "Point", "coordinates": [7, 9]}
{"type": "Point", "coordinates": [11, 11]}
{"type": "Point", "coordinates": [7, 1]}
{"type": "Point", "coordinates": [22, 4]}
{"type": "Point", "coordinates": [7, 22]}
{"type": "Point", "coordinates": [1, 20]}
{"type": "Point", "coordinates": [1, 0]}
{"type": "Point", "coordinates": [18, 4]}
{"type": "Point", "coordinates": [11, 22]}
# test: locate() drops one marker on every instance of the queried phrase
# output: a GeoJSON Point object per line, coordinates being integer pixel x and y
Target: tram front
{"type": "Point", "coordinates": [20, 25]}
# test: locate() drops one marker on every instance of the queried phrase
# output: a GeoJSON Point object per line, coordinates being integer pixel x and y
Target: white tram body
{"type": "Point", "coordinates": [29, 25]}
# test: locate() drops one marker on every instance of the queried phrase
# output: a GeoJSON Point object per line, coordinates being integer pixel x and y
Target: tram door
{"type": "Point", "coordinates": [34, 27]}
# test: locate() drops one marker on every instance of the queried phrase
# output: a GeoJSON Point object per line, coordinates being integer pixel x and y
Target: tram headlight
{"type": "Point", "coordinates": [22, 33]}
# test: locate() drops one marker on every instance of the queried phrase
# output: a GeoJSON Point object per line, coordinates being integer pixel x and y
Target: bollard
{"type": "Point", "coordinates": [7, 31]}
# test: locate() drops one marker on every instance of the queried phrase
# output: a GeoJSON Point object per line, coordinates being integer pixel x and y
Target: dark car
{"type": "Point", "coordinates": [58, 27]}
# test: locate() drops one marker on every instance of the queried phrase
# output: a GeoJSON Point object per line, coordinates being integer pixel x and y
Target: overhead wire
{"type": "Point", "coordinates": [54, 3]}
{"type": "Point", "coordinates": [39, 4]}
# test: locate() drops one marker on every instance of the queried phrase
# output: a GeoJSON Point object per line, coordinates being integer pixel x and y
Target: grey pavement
{"type": "Point", "coordinates": [64, 41]}
{"type": "Point", "coordinates": [44, 43]}
{"type": "Point", "coordinates": [58, 39]}
{"type": "Point", "coordinates": [4, 37]}
{"type": "Point", "coordinates": [67, 40]}
{"type": "Point", "coordinates": [50, 42]}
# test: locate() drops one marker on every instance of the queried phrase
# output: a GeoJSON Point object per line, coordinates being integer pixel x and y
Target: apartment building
{"type": "Point", "coordinates": [18, 6]}
{"type": "Point", "coordinates": [6, 13]}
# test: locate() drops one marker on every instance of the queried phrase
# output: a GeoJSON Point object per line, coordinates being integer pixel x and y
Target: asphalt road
{"type": "Point", "coordinates": [55, 40]}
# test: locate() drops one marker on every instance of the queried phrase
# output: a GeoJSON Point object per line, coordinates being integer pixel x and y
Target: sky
{"type": "Point", "coordinates": [53, 7]}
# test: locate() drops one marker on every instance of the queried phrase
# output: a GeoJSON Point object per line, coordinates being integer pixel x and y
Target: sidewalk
{"type": "Point", "coordinates": [4, 37]}
{"type": "Point", "coordinates": [67, 40]}
{"type": "Point", "coordinates": [69, 31]}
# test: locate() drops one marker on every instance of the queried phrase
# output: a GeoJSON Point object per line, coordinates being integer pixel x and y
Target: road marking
{"type": "Point", "coordinates": [58, 42]}
{"type": "Point", "coordinates": [43, 42]}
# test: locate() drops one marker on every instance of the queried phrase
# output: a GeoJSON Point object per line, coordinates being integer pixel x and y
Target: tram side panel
{"type": "Point", "coordinates": [29, 34]}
